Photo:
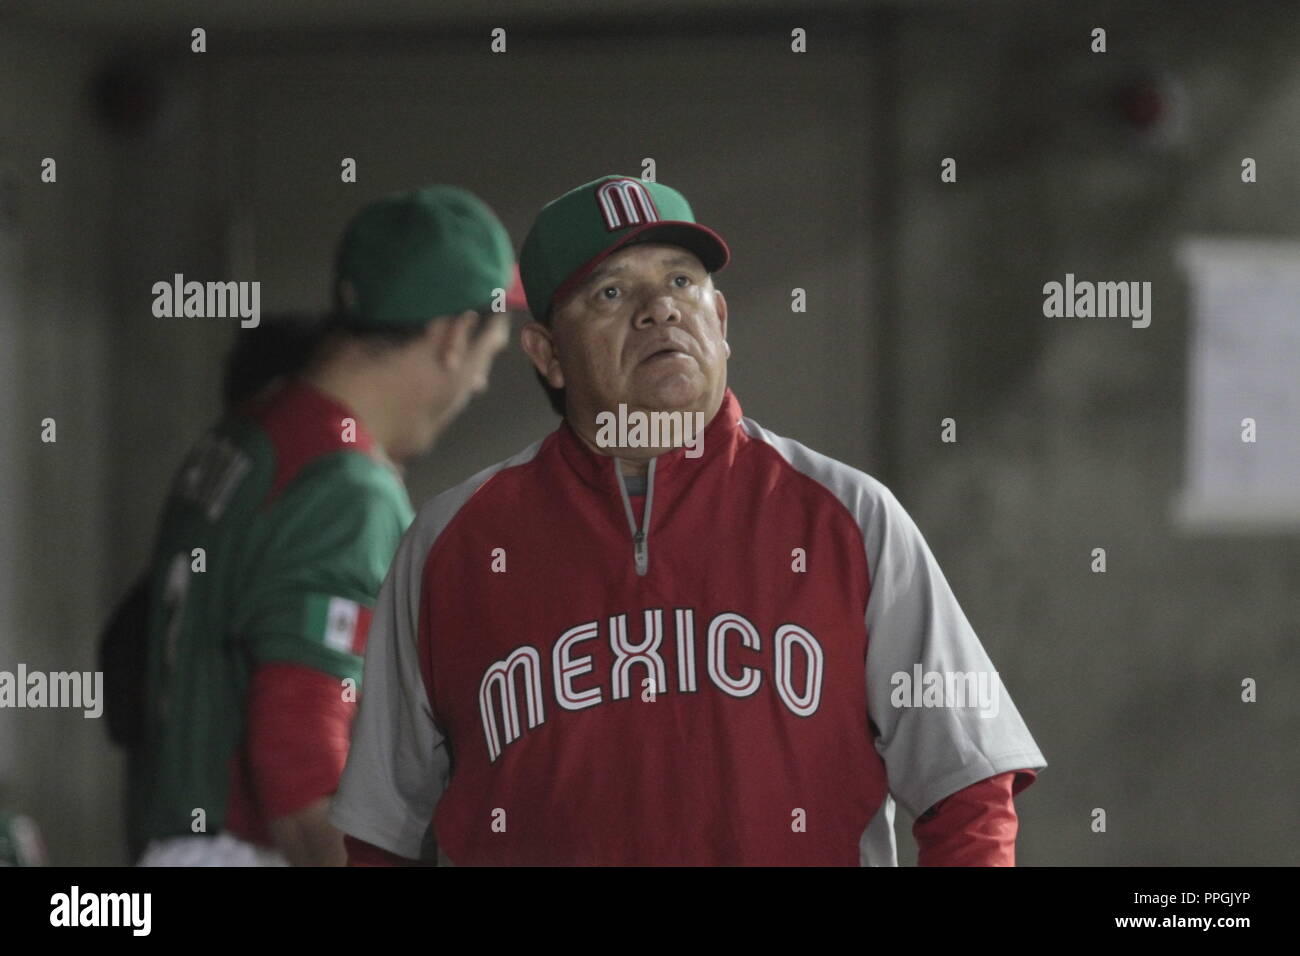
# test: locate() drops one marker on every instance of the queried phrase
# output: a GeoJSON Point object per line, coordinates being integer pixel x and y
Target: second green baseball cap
{"type": "Point", "coordinates": [412, 256]}
{"type": "Point", "coordinates": [576, 232]}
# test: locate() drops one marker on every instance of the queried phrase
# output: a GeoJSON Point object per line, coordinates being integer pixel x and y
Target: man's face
{"type": "Point", "coordinates": [645, 329]}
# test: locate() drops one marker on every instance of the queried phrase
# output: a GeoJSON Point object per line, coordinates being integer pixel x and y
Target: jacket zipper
{"type": "Point", "coordinates": [640, 536]}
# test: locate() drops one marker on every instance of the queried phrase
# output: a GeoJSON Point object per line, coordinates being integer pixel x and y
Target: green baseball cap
{"type": "Point", "coordinates": [575, 233]}
{"type": "Point", "coordinates": [412, 256]}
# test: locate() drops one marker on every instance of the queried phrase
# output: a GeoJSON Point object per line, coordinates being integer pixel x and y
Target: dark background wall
{"type": "Point", "coordinates": [822, 170]}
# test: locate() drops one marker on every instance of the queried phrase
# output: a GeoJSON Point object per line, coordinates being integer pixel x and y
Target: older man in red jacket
{"type": "Point", "coordinates": [663, 635]}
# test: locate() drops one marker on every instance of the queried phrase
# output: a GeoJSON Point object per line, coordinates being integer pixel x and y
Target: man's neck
{"type": "Point", "coordinates": [640, 463]}
{"type": "Point", "coordinates": [371, 414]}
{"type": "Point", "coordinates": [627, 466]}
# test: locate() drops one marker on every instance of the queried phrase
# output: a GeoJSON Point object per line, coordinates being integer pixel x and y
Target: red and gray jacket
{"type": "Point", "coordinates": [748, 666]}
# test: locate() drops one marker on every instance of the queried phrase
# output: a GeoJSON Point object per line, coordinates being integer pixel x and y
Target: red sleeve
{"type": "Point", "coordinates": [361, 853]}
{"type": "Point", "coordinates": [297, 743]}
{"type": "Point", "coordinates": [976, 826]}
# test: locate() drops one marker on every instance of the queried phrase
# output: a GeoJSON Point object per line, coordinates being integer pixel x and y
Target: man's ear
{"type": "Point", "coordinates": [720, 305]}
{"type": "Point", "coordinates": [538, 344]}
{"type": "Point", "coordinates": [450, 337]}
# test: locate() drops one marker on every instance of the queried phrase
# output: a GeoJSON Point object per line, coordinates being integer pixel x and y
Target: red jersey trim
{"type": "Point", "coordinates": [303, 424]}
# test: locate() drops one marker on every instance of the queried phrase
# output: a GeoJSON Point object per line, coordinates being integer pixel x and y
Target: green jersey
{"type": "Point", "coordinates": [273, 545]}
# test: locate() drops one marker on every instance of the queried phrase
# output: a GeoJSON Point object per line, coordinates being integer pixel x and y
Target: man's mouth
{"type": "Point", "coordinates": [667, 352]}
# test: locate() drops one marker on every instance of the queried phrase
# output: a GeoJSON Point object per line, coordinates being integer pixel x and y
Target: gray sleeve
{"type": "Point", "coordinates": [914, 624]}
{"type": "Point", "coordinates": [398, 762]}
{"type": "Point", "coordinates": [922, 650]}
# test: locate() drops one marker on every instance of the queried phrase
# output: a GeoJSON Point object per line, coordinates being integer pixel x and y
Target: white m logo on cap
{"type": "Point", "coordinates": [625, 202]}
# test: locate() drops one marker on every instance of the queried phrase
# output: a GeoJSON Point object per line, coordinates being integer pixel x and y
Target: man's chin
{"type": "Point", "coordinates": [423, 443]}
{"type": "Point", "coordinates": [672, 395]}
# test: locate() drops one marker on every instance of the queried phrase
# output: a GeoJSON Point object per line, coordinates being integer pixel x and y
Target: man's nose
{"type": "Point", "coordinates": [660, 310]}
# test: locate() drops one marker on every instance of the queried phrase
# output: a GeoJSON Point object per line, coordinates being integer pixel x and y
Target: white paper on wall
{"type": "Point", "coordinates": [1244, 364]}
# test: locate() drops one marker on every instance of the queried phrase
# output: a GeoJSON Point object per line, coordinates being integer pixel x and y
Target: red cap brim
{"type": "Point", "coordinates": [710, 247]}
{"type": "Point", "coordinates": [516, 301]}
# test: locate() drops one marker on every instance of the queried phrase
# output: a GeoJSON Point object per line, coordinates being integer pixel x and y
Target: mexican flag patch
{"type": "Point", "coordinates": [339, 624]}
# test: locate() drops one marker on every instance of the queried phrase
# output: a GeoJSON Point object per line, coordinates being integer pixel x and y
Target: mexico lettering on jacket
{"type": "Point", "coordinates": [499, 691]}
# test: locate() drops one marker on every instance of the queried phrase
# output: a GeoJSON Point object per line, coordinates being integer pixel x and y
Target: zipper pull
{"type": "Point", "coordinates": [642, 556]}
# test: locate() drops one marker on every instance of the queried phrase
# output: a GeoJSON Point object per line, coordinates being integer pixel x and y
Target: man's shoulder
{"type": "Point", "coordinates": [436, 513]}
{"type": "Point", "coordinates": [306, 433]}
{"type": "Point", "coordinates": [344, 478]}
{"type": "Point", "coordinates": [858, 491]}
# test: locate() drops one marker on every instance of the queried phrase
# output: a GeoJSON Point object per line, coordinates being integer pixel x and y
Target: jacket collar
{"type": "Point", "coordinates": [720, 437]}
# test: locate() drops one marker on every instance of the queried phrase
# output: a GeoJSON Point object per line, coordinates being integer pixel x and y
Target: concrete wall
{"type": "Point", "coordinates": [1071, 431]}
{"type": "Point", "coordinates": [57, 330]}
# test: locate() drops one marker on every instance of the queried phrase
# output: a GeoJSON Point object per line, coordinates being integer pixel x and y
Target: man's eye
{"type": "Point", "coordinates": [609, 292]}
{"type": "Point", "coordinates": [682, 281]}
